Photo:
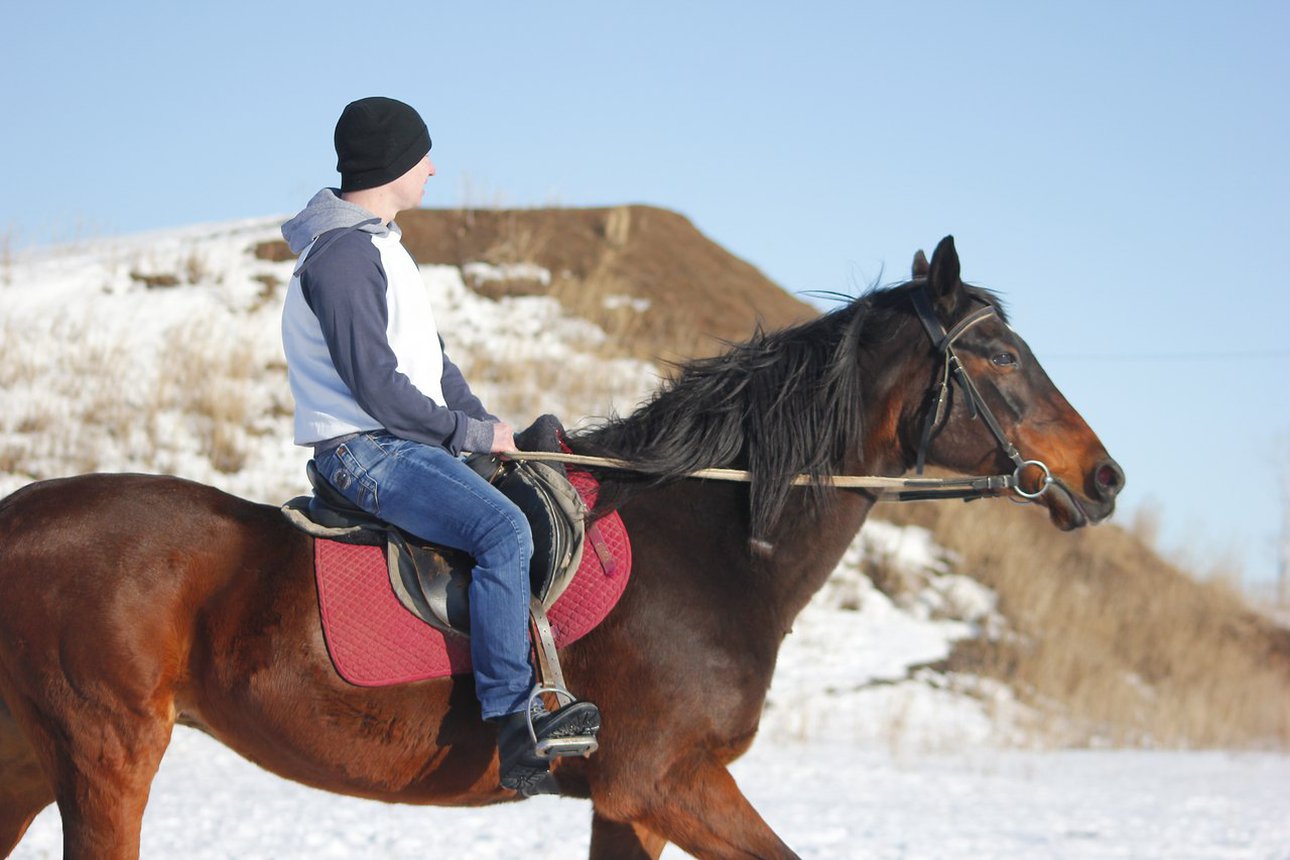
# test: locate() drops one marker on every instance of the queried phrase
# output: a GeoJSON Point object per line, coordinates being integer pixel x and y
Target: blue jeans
{"type": "Point", "coordinates": [428, 492]}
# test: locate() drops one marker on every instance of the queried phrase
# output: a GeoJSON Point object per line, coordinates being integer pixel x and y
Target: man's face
{"type": "Point", "coordinates": [410, 187]}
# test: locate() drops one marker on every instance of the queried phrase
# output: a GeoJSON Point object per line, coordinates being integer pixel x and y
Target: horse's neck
{"type": "Point", "coordinates": [807, 548]}
{"type": "Point", "coordinates": [779, 575]}
{"type": "Point", "coordinates": [805, 551]}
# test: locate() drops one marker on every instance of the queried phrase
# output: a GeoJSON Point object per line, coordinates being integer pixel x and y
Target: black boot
{"type": "Point", "coordinates": [522, 768]}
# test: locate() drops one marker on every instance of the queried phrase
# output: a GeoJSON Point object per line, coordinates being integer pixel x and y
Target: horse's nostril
{"type": "Point", "coordinates": [1109, 479]}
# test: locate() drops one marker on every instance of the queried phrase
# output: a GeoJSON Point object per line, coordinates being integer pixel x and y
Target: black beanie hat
{"type": "Point", "coordinates": [377, 141]}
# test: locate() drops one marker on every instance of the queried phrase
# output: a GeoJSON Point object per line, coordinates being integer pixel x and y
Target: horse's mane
{"type": "Point", "coordinates": [783, 403]}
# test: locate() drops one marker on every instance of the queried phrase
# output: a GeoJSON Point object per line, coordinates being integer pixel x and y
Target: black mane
{"type": "Point", "coordinates": [783, 403]}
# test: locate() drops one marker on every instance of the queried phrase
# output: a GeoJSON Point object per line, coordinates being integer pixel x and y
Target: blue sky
{"type": "Point", "coordinates": [1117, 170]}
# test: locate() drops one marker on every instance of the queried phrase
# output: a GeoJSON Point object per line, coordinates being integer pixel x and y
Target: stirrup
{"type": "Point", "coordinates": [576, 739]}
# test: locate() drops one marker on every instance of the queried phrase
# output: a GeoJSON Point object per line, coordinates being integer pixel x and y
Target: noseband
{"type": "Point", "coordinates": [954, 372]}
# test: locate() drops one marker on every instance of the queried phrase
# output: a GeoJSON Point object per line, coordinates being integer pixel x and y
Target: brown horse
{"type": "Point", "coordinates": [129, 603]}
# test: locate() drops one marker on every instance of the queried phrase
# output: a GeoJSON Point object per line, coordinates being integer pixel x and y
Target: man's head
{"type": "Point", "coordinates": [378, 140]}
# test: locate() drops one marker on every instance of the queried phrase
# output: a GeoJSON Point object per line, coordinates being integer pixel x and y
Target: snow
{"type": "Point", "coordinates": [482, 273]}
{"type": "Point", "coordinates": [866, 748]}
{"type": "Point", "coordinates": [825, 800]}
{"type": "Point", "coordinates": [614, 303]}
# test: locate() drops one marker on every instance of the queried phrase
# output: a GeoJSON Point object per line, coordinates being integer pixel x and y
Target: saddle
{"type": "Point", "coordinates": [432, 581]}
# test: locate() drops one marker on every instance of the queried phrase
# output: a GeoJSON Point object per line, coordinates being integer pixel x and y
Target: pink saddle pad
{"type": "Point", "coordinates": [374, 641]}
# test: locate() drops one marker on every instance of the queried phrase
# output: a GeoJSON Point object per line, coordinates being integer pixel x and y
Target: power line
{"type": "Point", "coordinates": [1232, 355]}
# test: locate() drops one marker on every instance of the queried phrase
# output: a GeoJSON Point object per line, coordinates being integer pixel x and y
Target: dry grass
{"type": "Point", "coordinates": [22, 363]}
{"type": "Point", "coordinates": [1121, 646]}
{"type": "Point", "coordinates": [196, 267]}
{"type": "Point", "coordinates": [7, 242]}
{"type": "Point", "coordinates": [206, 379]}
{"type": "Point", "coordinates": [573, 392]}
{"type": "Point", "coordinates": [272, 289]}
{"type": "Point", "coordinates": [645, 332]}
{"type": "Point", "coordinates": [93, 402]}
{"type": "Point", "coordinates": [518, 240]}
{"type": "Point", "coordinates": [154, 282]}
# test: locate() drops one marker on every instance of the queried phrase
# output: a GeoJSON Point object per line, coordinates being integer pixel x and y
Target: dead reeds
{"type": "Point", "coordinates": [1118, 645]}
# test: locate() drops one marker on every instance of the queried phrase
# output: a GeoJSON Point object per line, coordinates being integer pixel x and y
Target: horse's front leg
{"type": "Point", "coordinates": [698, 807]}
{"type": "Point", "coordinates": [623, 841]}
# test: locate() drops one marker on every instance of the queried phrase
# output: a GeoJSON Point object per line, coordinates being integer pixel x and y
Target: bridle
{"type": "Point", "coordinates": [954, 372]}
{"type": "Point", "coordinates": [894, 489]}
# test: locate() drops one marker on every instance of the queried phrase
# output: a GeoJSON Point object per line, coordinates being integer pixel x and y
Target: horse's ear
{"type": "Point", "coordinates": [943, 274]}
{"type": "Point", "coordinates": [919, 269]}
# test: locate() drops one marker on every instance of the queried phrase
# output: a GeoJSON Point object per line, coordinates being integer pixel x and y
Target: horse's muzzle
{"type": "Point", "coordinates": [1072, 510]}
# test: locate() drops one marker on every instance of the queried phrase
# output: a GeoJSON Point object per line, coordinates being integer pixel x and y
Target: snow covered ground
{"type": "Point", "coordinates": [864, 751]}
{"type": "Point", "coordinates": [825, 800]}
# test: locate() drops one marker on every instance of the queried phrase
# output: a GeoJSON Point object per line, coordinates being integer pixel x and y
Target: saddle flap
{"type": "Point", "coordinates": [432, 582]}
{"type": "Point", "coordinates": [557, 517]}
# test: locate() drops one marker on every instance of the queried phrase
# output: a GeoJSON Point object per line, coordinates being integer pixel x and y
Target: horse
{"type": "Point", "coordinates": [130, 603]}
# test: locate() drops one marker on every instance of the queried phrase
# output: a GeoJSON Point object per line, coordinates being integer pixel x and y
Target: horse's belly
{"type": "Point", "coordinates": [268, 690]}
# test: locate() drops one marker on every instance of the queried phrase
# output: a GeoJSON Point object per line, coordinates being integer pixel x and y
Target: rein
{"type": "Point", "coordinates": [890, 489]}
{"type": "Point", "coordinates": [947, 488]}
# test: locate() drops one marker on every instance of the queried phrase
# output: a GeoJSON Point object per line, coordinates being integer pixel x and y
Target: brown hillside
{"type": "Point", "coordinates": [698, 293]}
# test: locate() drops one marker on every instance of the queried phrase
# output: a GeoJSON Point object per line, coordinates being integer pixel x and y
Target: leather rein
{"type": "Point", "coordinates": [893, 489]}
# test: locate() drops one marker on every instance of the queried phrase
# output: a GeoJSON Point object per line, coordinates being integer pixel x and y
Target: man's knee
{"type": "Point", "coordinates": [511, 532]}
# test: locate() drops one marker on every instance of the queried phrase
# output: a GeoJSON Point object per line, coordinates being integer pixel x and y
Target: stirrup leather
{"type": "Point", "coordinates": [551, 681]}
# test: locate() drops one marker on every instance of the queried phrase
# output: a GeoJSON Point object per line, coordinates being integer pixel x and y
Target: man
{"type": "Point", "coordinates": [388, 413]}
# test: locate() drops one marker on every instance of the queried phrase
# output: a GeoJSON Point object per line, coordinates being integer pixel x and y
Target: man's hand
{"type": "Point", "coordinates": [503, 438]}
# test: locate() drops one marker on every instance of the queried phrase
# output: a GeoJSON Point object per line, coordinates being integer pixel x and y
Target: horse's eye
{"type": "Point", "coordinates": [1004, 359]}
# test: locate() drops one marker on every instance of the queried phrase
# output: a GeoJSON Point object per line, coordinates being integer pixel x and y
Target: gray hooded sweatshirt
{"type": "Point", "coordinates": [363, 351]}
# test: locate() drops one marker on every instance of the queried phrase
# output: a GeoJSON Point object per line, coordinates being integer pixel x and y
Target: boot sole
{"type": "Point", "coordinates": [531, 781]}
{"type": "Point", "coordinates": [574, 735]}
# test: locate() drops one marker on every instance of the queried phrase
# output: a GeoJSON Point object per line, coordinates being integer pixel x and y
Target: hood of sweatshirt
{"type": "Point", "coordinates": [324, 213]}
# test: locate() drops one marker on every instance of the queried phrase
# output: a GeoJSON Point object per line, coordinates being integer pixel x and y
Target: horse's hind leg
{"type": "Point", "coordinates": [103, 756]}
{"type": "Point", "coordinates": [20, 802]}
{"type": "Point", "coordinates": [24, 789]}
